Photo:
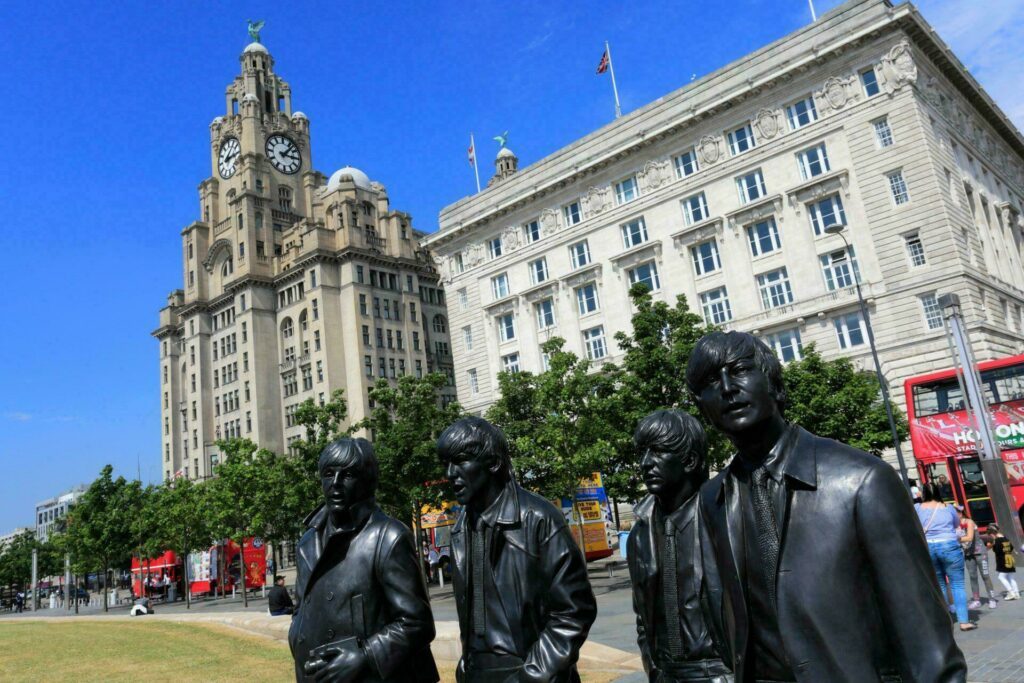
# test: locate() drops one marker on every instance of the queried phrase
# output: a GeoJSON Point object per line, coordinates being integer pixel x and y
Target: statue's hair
{"type": "Point", "coordinates": [351, 452]}
{"type": "Point", "coordinates": [674, 431]}
{"type": "Point", "coordinates": [476, 437]}
{"type": "Point", "coordinates": [715, 350]}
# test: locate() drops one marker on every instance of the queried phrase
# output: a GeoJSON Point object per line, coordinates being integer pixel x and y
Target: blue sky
{"type": "Point", "coordinates": [107, 137]}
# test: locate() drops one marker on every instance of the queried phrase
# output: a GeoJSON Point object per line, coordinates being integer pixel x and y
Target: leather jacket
{"type": "Point", "coordinates": [544, 594]}
{"type": "Point", "coordinates": [374, 592]}
{"type": "Point", "coordinates": [857, 595]}
{"type": "Point", "coordinates": [645, 572]}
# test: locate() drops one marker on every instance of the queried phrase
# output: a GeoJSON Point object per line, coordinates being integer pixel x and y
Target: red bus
{"type": "Point", "coordinates": [945, 441]}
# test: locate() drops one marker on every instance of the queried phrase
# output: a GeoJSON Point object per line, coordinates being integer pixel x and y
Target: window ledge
{"type": "Point", "coordinates": [763, 207]}
{"type": "Point", "coordinates": [698, 232]}
{"type": "Point", "coordinates": [817, 187]}
{"type": "Point", "coordinates": [636, 254]}
{"type": "Point", "coordinates": [586, 274]}
{"type": "Point", "coordinates": [541, 290]}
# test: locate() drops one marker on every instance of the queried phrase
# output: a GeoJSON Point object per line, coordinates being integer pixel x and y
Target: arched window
{"type": "Point", "coordinates": [227, 268]}
{"type": "Point", "coordinates": [303, 321]}
{"type": "Point", "coordinates": [284, 198]}
{"type": "Point", "coordinates": [439, 324]}
{"type": "Point", "coordinates": [287, 330]}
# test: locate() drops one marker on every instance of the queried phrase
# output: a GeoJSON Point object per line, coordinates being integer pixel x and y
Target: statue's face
{"type": "Point", "coordinates": [343, 485]}
{"type": "Point", "coordinates": [469, 476]}
{"type": "Point", "coordinates": [664, 473]}
{"type": "Point", "coordinates": [739, 397]}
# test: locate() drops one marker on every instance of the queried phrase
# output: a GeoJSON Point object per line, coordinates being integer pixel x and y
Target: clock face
{"type": "Point", "coordinates": [227, 161]}
{"type": "Point", "coordinates": [283, 154]}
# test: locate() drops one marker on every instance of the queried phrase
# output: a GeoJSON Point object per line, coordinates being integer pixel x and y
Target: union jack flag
{"type": "Point", "coordinates": [603, 65]}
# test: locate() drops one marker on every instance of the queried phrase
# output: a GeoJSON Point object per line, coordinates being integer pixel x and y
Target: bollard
{"type": "Point", "coordinates": [440, 577]}
{"type": "Point", "coordinates": [611, 570]}
{"type": "Point", "coordinates": [233, 596]}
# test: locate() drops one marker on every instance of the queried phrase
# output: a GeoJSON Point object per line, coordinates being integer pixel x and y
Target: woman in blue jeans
{"type": "Point", "coordinates": [940, 523]}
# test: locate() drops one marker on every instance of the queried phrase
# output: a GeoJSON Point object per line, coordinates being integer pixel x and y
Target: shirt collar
{"type": "Point", "coordinates": [777, 460]}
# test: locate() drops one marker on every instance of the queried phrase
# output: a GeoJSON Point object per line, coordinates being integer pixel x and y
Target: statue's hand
{"type": "Point", "coordinates": [343, 665]}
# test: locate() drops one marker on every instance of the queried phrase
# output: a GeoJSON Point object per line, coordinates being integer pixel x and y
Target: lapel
{"type": "Point", "coordinates": [459, 550]}
{"type": "Point", "coordinates": [508, 528]}
{"type": "Point", "coordinates": [731, 513]}
{"type": "Point", "coordinates": [310, 548]}
{"type": "Point", "coordinates": [800, 474]}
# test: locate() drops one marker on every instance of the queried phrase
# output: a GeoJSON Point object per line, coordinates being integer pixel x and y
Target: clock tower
{"type": "Point", "coordinates": [296, 285]}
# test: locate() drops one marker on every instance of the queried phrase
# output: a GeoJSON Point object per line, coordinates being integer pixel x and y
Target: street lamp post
{"type": "Point", "coordinates": [837, 229]}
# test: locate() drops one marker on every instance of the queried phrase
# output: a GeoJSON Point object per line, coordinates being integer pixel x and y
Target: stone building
{"type": "Point", "coordinates": [52, 509]}
{"type": "Point", "coordinates": [723, 190]}
{"type": "Point", "coordinates": [295, 285]}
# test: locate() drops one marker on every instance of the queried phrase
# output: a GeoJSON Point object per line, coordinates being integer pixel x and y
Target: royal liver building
{"type": "Point", "coordinates": [294, 285]}
{"type": "Point", "coordinates": [726, 190]}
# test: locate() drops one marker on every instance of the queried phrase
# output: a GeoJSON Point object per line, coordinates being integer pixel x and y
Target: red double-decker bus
{"type": "Point", "coordinates": [945, 441]}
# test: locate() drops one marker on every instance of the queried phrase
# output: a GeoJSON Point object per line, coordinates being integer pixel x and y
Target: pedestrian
{"type": "Point", "coordinates": [19, 602]}
{"type": "Point", "coordinates": [279, 602]}
{"type": "Point", "coordinates": [976, 561]}
{"type": "Point", "coordinates": [915, 491]}
{"type": "Point", "coordinates": [1006, 567]}
{"type": "Point", "coordinates": [940, 523]}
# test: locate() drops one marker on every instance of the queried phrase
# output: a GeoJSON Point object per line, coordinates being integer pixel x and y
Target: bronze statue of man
{"type": "Point", "coordinates": [825, 571]}
{"type": "Point", "coordinates": [524, 600]}
{"type": "Point", "coordinates": [362, 613]}
{"type": "Point", "coordinates": [677, 593]}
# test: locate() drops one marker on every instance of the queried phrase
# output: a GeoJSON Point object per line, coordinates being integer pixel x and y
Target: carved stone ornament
{"type": "Point", "coordinates": [549, 221]}
{"type": "Point", "coordinates": [511, 238]}
{"type": "Point", "coordinates": [767, 122]}
{"type": "Point", "coordinates": [655, 174]}
{"type": "Point", "coordinates": [474, 255]}
{"type": "Point", "coordinates": [898, 68]}
{"type": "Point", "coordinates": [445, 266]}
{"type": "Point", "coordinates": [709, 149]}
{"type": "Point", "coordinates": [596, 200]}
{"type": "Point", "coordinates": [836, 92]}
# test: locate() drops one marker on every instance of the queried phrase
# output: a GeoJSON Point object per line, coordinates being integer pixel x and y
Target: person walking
{"type": "Point", "coordinates": [1006, 567]}
{"type": "Point", "coordinates": [976, 562]}
{"type": "Point", "coordinates": [940, 523]}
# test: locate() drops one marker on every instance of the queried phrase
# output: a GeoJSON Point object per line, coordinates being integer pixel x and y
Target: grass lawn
{"type": "Point", "coordinates": [82, 651]}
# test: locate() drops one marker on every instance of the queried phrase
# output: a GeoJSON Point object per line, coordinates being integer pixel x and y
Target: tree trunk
{"type": "Point", "coordinates": [187, 584]}
{"type": "Point", "coordinates": [615, 512]}
{"type": "Point", "coordinates": [241, 571]}
{"type": "Point", "coordinates": [75, 590]}
{"type": "Point", "coordinates": [579, 523]}
{"type": "Point", "coordinates": [106, 573]}
{"type": "Point", "coordinates": [418, 545]}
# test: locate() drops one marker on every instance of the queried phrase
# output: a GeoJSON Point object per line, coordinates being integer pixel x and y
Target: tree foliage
{"type": "Point", "coordinates": [836, 400]}
{"type": "Point", "coordinates": [16, 559]}
{"type": "Point", "coordinates": [404, 425]}
{"type": "Point", "coordinates": [179, 518]}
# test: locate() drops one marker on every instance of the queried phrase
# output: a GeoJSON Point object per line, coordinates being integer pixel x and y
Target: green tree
{"type": "Point", "coordinates": [558, 422]}
{"type": "Point", "coordinates": [99, 527]}
{"type": "Point", "coordinates": [16, 560]}
{"type": "Point", "coordinates": [179, 516]}
{"type": "Point", "coordinates": [405, 422]}
{"type": "Point", "coordinates": [836, 400]}
{"type": "Point", "coordinates": [652, 376]}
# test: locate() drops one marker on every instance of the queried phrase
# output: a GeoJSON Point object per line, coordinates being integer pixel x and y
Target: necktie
{"type": "Point", "coordinates": [477, 560]}
{"type": "Point", "coordinates": [767, 530]}
{"type": "Point", "coordinates": [670, 591]}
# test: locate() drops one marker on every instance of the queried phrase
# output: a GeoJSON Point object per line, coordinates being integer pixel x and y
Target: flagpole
{"type": "Point", "coordinates": [615, 88]}
{"type": "Point", "coordinates": [814, 17]}
{"type": "Point", "coordinates": [476, 171]}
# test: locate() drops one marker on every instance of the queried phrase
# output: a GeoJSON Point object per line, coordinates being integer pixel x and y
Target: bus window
{"type": "Point", "coordinates": [943, 396]}
{"type": "Point", "coordinates": [1003, 384]}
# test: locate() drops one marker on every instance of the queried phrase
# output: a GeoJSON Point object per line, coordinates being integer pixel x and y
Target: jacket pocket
{"type": "Point", "coordinates": [358, 617]}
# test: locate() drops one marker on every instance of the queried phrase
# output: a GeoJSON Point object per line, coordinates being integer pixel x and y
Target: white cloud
{"type": "Point", "coordinates": [18, 416]}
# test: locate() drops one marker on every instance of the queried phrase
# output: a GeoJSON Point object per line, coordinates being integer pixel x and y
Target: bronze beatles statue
{"type": "Point", "coordinates": [524, 600]}
{"type": "Point", "coordinates": [362, 612]}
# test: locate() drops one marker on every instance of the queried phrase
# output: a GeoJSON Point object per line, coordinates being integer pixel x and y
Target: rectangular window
{"type": "Point", "coordinates": [751, 186]}
{"type": "Point", "coordinates": [801, 113]}
{"type": "Point", "coordinates": [545, 360]}
{"type": "Point", "coordinates": [716, 306]}
{"type": "Point", "coordinates": [499, 286]}
{"type": "Point", "coordinates": [531, 231]}
{"type": "Point", "coordinates": [741, 139]}
{"type": "Point", "coordinates": [763, 237]}
{"type": "Point", "coordinates": [316, 340]}
{"type": "Point", "coordinates": [695, 209]}
{"type": "Point", "coordinates": [646, 273]}
{"type": "Point", "coordinates": [705, 257]}
{"type": "Point", "coordinates": [850, 330]}
{"type": "Point", "coordinates": [579, 254]}
{"type": "Point", "coordinates": [775, 289]}
{"type": "Point", "coordinates": [571, 213]}
{"type": "Point", "coordinates": [510, 363]}
{"type": "Point", "coordinates": [883, 133]}
{"type": "Point", "coordinates": [494, 247]}
{"type": "Point", "coordinates": [463, 299]}
{"type": "Point", "coordinates": [593, 341]}
{"type": "Point", "coordinates": [362, 304]}
{"type": "Point", "coordinates": [932, 313]}
{"type": "Point", "coordinates": [686, 163]}
{"type": "Point", "coordinates": [634, 233]}
{"type": "Point", "coordinates": [915, 249]}
{"type": "Point", "coordinates": [545, 314]}
{"type": "Point", "coordinates": [460, 267]}
{"type": "Point", "coordinates": [381, 367]}
{"type": "Point", "coordinates": [507, 327]}
{"type": "Point", "coordinates": [625, 190]}
{"type": "Point", "coordinates": [786, 344]}
{"type": "Point", "coordinates": [813, 162]}
{"type": "Point", "coordinates": [586, 298]}
{"type": "Point", "coordinates": [839, 268]}
{"type": "Point", "coordinates": [474, 386]}
{"type": "Point", "coordinates": [870, 82]}
{"type": "Point", "coordinates": [366, 335]}
{"type": "Point", "coordinates": [415, 341]}
{"type": "Point", "coordinates": [538, 271]}
{"type": "Point", "coordinates": [826, 212]}
{"type": "Point", "coordinates": [467, 337]}
{"type": "Point", "coordinates": [898, 187]}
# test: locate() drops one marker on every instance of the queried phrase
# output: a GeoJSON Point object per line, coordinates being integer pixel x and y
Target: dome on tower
{"type": "Point", "coordinates": [299, 115]}
{"type": "Point", "coordinates": [361, 180]}
{"type": "Point", "coordinates": [255, 47]}
{"type": "Point", "coordinates": [505, 152]}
